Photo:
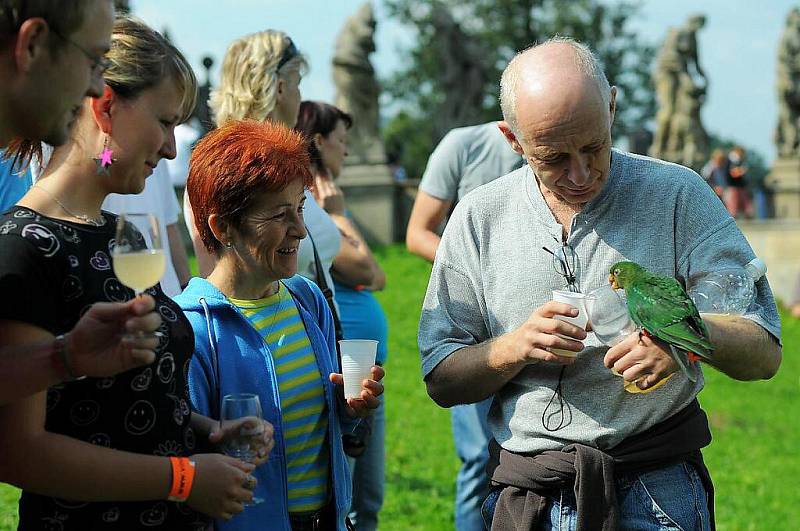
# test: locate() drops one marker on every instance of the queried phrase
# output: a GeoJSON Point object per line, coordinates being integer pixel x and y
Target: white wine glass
{"type": "Point", "coordinates": [138, 256]}
{"type": "Point", "coordinates": [243, 442]}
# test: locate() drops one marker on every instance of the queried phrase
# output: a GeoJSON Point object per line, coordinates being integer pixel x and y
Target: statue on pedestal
{"type": "Point", "coordinates": [357, 90]}
{"type": "Point", "coordinates": [681, 86]}
{"type": "Point", "coordinates": [463, 72]}
{"type": "Point", "coordinates": [787, 139]}
{"type": "Point", "coordinates": [784, 179]}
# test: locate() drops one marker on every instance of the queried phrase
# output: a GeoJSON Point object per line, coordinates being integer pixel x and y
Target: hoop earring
{"type": "Point", "coordinates": [104, 160]}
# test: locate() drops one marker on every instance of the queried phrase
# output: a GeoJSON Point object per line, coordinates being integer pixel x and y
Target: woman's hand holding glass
{"type": "Point", "coordinates": [260, 435]}
{"type": "Point", "coordinates": [220, 487]}
{"type": "Point", "coordinates": [243, 434]}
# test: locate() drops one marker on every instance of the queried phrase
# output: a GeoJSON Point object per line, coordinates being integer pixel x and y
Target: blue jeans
{"type": "Point", "coordinates": [471, 435]}
{"type": "Point", "coordinates": [671, 498]}
{"type": "Point", "coordinates": [368, 475]}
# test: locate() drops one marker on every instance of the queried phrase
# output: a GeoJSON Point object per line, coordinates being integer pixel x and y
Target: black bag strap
{"type": "Point", "coordinates": [322, 282]}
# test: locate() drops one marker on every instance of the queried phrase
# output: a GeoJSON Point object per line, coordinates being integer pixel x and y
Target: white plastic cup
{"type": "Point", "coordinates": [578, 300]}
{"type": "Point", "coordinates": [358, 357]}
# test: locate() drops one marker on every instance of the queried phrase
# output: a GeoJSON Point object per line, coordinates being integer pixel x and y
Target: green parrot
{"type": "Point", "coordinates": [661, 307]}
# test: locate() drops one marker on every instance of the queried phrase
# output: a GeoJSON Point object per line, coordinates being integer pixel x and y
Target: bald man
{"type": "Point", "coordinates": [570, 444]}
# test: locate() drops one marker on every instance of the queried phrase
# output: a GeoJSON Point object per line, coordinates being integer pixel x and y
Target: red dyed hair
{"type": "Point", "coordinates": [235, 163]}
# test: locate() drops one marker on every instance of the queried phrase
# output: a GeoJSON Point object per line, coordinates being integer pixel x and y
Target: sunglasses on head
{"type": "Point", "coordinates": [288, 54]}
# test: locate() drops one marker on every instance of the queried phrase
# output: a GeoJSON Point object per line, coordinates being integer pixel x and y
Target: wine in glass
{"type": "Point", "coordinates": [243, 442]}
{"type": "Point", "coordinates": [138, 255]}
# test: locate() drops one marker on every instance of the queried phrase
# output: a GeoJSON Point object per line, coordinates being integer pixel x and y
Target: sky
{"type": "Point", "coordinates": [738, 46]}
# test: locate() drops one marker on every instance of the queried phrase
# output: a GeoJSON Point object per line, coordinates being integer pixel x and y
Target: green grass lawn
{"type": "Point", "coordinates": [753, 459]}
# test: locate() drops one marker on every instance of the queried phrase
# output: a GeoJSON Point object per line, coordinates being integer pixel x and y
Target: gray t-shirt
{"type": "Point", "coordinates": [491, 273]}
{"type": "Point", "coordinates": [466, 158]}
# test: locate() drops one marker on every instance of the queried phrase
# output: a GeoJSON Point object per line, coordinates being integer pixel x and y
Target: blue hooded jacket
{"type": "Point", "coordinates": [231, 357]}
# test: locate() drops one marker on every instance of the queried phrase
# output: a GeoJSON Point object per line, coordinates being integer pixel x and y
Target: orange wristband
{"type": "Point", "coordinates": [182, 478]}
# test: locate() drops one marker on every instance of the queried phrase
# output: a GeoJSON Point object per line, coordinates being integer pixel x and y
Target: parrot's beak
{"type": "Point", "coordinates": [613, 281]}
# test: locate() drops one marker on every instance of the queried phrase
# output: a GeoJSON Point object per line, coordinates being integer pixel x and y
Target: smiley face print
{"type": "Point", "coordinates": [114, 290]}
{"type": "Point", "coordinates": [84, 412]}
{"type": "Point", "coordinates": [42, 238]}
{"type": "Point", "coordinates": [140, 418]}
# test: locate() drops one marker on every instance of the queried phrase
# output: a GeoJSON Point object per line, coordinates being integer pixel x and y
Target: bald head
{"type": "Point", "coordinates": [551, 72]}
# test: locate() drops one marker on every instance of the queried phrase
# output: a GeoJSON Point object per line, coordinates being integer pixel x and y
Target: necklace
{"type": "Point", "coordinates": [86, 219]}
{"type": "Point", "coordinates": [275, 315]}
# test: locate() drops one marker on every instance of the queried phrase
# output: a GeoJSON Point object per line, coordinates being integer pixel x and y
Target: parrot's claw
{"type": "Point", "coordinates": [644, 333]}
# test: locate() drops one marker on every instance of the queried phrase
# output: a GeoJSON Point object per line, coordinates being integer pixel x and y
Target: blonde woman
{"type": "Point", "coordinates": [98, 452]}
{"type": "Point", "coordinates": [261, 74]}
{"type": "Point", "coordinates": [260, 80]}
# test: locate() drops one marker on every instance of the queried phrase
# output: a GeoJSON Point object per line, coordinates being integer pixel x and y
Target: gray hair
{"type": "Point", "coordinates": [585, 59]}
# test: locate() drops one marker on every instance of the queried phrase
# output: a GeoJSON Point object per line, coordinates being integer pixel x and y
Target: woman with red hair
{"type": "Point", "coordinates": [262, 329]}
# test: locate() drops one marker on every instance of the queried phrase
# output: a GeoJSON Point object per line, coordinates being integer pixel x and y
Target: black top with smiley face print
{"type": "Point", "coordinates": [51, 271]}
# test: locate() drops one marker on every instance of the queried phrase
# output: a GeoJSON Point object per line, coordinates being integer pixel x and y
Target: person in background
{"type": "Point", "coordinates": [158, 197]}
{"type": "Point", "coordinates": [466, 158]}
{"type": "Point", "coordinates": [15, 181]}
{"type": "Point", "coordinates": [715, 172]}
{"type": "Point", "coordinates": [736, 195]}
{"type": "Point", "coordinates": [119, 449]}
{"type": "Point", "coordinates": [185, 137]}
{"type": "Point", "coordinates": [356, 275]}
{"type": "Point", "coordinates": [794, 305]}
{"type": "Point", "coordinates": [247, 180]}
{"type": "Point", "coordinates": [51, 57]}
{"type": "Point", "coordinates": [260, 80]}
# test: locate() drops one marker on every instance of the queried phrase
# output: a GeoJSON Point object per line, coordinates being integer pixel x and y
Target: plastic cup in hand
{"type": "Point", "coordinates": [234, 408]}
{"type": "Point", "coordinates": [573, 299]}
{"type": "Point", "coordinates": [611, 323]}
{"type": "Point", "coordinates": [358, 357]}
{"type": "Point", "coordinates": [609, 315]}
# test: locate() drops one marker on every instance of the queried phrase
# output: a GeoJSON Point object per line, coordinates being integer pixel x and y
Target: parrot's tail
{"type": "Point", "coordinates": [684, 360]}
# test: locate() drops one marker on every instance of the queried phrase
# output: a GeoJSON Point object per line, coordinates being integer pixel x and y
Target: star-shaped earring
{"type": "Point", "coordinates": [104, 161]}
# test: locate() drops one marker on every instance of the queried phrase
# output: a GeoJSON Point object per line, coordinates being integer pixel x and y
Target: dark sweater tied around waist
{"type": "Point", "coordinates": [529, 478]}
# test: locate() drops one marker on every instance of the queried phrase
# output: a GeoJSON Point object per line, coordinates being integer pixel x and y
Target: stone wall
{"type": "Point", "coordinates": [777, 242]}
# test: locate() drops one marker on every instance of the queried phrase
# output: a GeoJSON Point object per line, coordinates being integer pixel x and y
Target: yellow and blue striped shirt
{"type": "Point", "coordinates": [304, 411]}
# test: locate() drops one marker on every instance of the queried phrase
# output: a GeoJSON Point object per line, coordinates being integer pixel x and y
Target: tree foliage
{"type": "Point", "coordinates": [488, 33]}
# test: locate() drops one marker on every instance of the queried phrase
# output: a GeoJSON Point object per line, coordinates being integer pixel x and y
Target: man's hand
{"type": "Point", "coordinates": [97, 346]}
{"type": "Point", "coordinates": [539, 336]}
{"type": "Point", "coordinates": [370, 391]}
{"type": "Point", "coordinates": [644, 360]}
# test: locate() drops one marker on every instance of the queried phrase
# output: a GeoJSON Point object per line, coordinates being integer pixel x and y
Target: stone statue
{"type": "Point", "coordinates": [787, 138]}
{"type": "Point", "coordinates": [463, 72]}
{"type": "Point", "coordinates": [357, 90]}
{"type": "Point", "coordinates": [681, 86]}
{"type": "Point", "coordinates": [688, 140]}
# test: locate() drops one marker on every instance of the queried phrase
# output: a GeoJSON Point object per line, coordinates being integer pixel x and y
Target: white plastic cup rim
{"type": "Point", "coordinates": [578, 300]}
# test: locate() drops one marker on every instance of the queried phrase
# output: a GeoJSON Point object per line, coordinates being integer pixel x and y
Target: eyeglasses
{"type": "Point", "coordinates": [99, 63]}
{"type": "Point", "coordinates": [288, 54]}
{"type": "Point", "coordinates": [564, 262]}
